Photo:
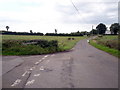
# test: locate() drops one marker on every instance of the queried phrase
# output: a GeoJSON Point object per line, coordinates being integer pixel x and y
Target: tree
{"type": "Point", "coordinates": [114, 28]}
{"type": "Point", "coordinates": [78, 32]}
{"type": "Point", "coordinates": [31, 31]}
{"type": "Point", "coordinates": [94, 32]}
{"type": "Point", "coordinates": [101, 28]}
{"type": "Point", "coordinates": [7, 27]}
{"type": "Point", "coordinates": [56, 31]}
{"type": "Point", "coordinates": [84, 32]}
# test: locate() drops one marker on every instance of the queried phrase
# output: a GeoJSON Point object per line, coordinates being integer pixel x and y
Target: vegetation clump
{"type": "Point", "coordinates": [29, 47]}
{"type": "Point", "coordinates": [108, 43]}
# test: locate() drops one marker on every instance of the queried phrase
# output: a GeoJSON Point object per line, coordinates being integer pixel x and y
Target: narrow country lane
{"type": "Point", "coordinates": [82, 67]}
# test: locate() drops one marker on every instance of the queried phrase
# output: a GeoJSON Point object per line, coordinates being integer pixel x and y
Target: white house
{"type": "Point", "coordinates": [107, 32]}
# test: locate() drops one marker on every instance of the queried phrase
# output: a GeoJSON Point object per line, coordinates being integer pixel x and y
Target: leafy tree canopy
{"type": "Point", "coordinates": [101, 28]}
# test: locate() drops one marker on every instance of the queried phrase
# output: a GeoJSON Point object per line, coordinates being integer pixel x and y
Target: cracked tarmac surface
{"type": "Point", "coordinates": [82, 67]}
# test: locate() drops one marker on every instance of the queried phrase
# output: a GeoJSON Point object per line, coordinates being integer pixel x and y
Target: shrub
{"type": "Point", "coordinates": [14, 47]}
{"type": "Point", "coordinates": [42, 43]}
{"type": "Point", "coordinates": [111, 43]}
{"type": "Point", "coordinates": [10, 43]}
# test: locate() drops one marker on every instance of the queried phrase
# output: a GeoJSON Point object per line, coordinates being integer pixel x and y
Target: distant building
{"type": "Point", "coordinates": [107, 32]}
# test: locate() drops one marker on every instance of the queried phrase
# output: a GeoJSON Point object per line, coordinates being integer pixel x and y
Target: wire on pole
{"type": "Point", "coordinates": [75, 7]}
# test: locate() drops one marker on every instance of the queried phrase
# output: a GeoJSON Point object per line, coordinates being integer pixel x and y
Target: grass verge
{"type": "Point", "coordinates": [106, 49]}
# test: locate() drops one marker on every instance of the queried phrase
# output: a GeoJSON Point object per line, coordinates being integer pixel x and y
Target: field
{"type": "Point", "coordinates": [107, 43]}
{"type": "Point", "coordinates": [63, 44]}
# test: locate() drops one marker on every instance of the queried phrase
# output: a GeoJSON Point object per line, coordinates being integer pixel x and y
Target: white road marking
{"type": "Point", "coordinates": [37, 63]}
{"type": "Point", "coordinates": [41, 68]}
{"type": "Point", "coordinates": [30, 82]}
{"type": "Point", "coordinates": [40, 60]}
{"type": "Point", "coordinates": [32, 68]}
{"type": "Point", "coordinates": [36, 75]}
{"type": "Point", "coordinates": [46, 56]}
{"type": "Point", "coordinates": [43, 58]}
{"type": "Point", "coordinates": [16, 82]}
{"type": "Point", "coordinates": [26, 72]}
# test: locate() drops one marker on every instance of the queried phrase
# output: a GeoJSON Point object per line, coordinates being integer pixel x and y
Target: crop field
{"type": "Point", "coordinates": [108, 43]}
{"type": "Point", "coordinates": [64, 43]}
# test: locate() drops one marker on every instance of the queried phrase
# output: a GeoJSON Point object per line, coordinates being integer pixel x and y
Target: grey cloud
{"type": "Point", "coordinates": [86, 8]}
{"type": "Point", "coordinates": [101, 18]}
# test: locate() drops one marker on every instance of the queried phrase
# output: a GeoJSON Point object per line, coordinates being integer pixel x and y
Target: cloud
{"type": "Point", "coordinates": [47, 15]}
{"type": "Point", "coordinates": [90, 12]}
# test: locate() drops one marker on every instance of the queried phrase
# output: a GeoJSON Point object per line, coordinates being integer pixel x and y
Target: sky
{"type": "Point", "coordinates": [47, 15]}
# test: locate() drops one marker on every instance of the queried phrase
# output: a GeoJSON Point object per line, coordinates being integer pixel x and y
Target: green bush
{"type": "Point", "coordinates": [14, 47]}
{"type": "Point", "coordinates": [42, 43]}
{"type": "Point", "coordinates": [109, 41]}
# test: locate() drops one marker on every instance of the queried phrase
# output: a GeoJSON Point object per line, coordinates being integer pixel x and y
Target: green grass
{"type": "Point", "coordinates": [101, 43]}
{"type": "Point", "coordinates": [28, 50]}
{"type": "Point", "coordinates": [109, 41]}
{"type": "Point", "coordinates": [63, 44]}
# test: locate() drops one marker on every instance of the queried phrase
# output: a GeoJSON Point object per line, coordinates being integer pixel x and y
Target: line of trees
{"type": "Point", "coordinates": [63, 34]}
{"type": "Point", "coordinates": [115, 28]}
{"type": "Point", "coordinates": [101, 29]}
{"type": "Point", "coordinates": [41, 34]}
{"type": "Point", "coordinates": [20, 33]}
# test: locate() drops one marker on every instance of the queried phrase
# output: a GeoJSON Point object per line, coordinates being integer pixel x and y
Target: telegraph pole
{"type": "Point", "coordinates": [92, 29]}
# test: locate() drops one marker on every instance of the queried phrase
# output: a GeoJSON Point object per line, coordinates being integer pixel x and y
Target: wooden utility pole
{"type": "Point", "coordinates": [92, 29]}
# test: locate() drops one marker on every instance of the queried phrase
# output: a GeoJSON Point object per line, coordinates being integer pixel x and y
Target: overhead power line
{"type": "Point", "coordinates": [74, 6]}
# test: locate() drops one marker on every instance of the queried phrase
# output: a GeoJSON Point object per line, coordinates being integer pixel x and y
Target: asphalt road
{"type": "Point", "coordinates": [82, 67]}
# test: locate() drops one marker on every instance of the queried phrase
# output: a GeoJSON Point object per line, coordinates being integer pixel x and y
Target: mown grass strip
{"type": "Point", "coordinates": [106, 49]}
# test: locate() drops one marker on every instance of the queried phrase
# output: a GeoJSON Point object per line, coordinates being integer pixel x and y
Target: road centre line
{"type": "Point", "coordinates": [32, 68]}
{"type": "Point", "coordinates": [46, 56]}
{"type": "Point", "coordinates": [37, 63]}
{"type": "Point", "coordinates": [26, 72]}
{"type": "Point", "coordinates": [40, 60]}
{"type": "Point", "coordinates": [41, 68]}
{"type": "Point", "coordinates": [36, 75]}
{"type": "Point", "coordinates": [30, 82]}
{"type": "Point", "coordinates": [16, 82]}
{"type": "Point", "coordinates": [43, 58]}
